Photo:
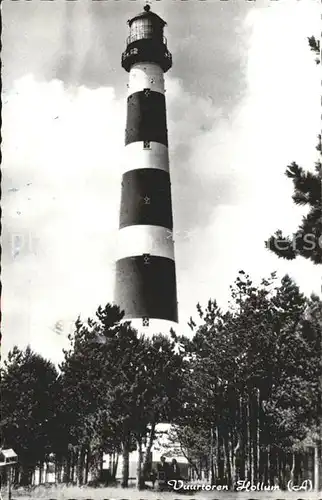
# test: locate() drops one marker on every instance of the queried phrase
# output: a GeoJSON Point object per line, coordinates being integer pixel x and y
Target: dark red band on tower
{"type": "Point", "coordinates": [146, 198]}
{"type": "Point", "coordinates": [146, 287]}
{"type": "Point", "coordinates": [146, 118]}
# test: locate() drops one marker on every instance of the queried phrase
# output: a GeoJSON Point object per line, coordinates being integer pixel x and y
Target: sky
{"type": "Point", "coordinates": [242, 103]}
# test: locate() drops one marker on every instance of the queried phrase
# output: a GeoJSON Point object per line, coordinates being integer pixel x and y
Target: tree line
{"type": "Point", "coordinates": [242, 394]}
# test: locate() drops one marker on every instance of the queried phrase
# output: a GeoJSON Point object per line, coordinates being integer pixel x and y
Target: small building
{"type": "Point", "coordinates": [8, 457]}
{"type": "Point", "coordinates": [161, 447]}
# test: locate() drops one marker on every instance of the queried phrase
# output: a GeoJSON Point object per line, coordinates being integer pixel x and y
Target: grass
{"type": "Point", "coordinates": [63, 492]}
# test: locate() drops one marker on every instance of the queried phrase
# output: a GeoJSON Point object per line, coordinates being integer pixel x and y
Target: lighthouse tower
{"type": "Point", "coordinates": [145, 267]}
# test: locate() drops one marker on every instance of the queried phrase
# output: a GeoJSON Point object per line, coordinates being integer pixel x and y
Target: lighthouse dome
{"type": "Point", "coordinates": [147, 14]}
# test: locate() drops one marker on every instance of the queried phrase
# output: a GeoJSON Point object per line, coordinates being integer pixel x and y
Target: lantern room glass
{"type": "Point", "coordinates": [143, 29]}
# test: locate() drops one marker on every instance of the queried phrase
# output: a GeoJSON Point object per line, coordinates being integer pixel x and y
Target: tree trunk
{"type": "Point", "coordinates": [67, 467]}
{"type": "Point", "coordinates": [207, 470]}
{"type": "Point", "coordinates": [254, 436]}
{"type": "Point", "coordinates": [192, 466]}
{"type": "Point", "coordinates": [292, 471]}
{"type": "Point", "coordinates": [115, 464]}
{"type": "Point", "coordinates": [235, 448]}
{"type": "Point", "coordinates": [75, 465]}
{"type": "Point", "coordinates": [220, 476]}
{"type": "Point", "coordinates": [196, 471]}
{"type": "Point", "coordinates": [95, 464]}
{"type": "Point", "coordinates": [316, 468]}
{"type": "Point", "coordinates": [125, 464]}
{"type": "Point", "coordinates": [16, 475]}
{"type": "Point", "coordinates": [60, 471]}
{"type": "Point", "coordinates": [84, 464]}
{"type": "Point", "coordinates": [216, 470]}
{"type": "Point", "coordinates": [41, 470]}
{"type": "Point", "coordinates": [80, 466]}
{"type": "Point", "coordinates": [87, 462]}
{"type": "Point", "coordinates": [241, 468]}
{"type": "Point", "coordinates": [246, 441]}
{"type": "Point", "coordinates": [284, 470]}
{"type": "Point", "coordinates": [231, 443]}
{"type": "Point", "coordinates": [73, 460]}
{"type": "Point", "coordinates": [58, 467]}
{"type": "Point", "coordinates": [274, 465]}
{"type": "Point", "coordinates": [9, 481]}
{"type": "Point", "coordinates": [279, 468]}
{"type": "Point", "coordinates": [235, 438]}
{"type": "Point", "coordinates": [147, 454]}
{"type": "Point", "coordinates": [46, 472]}
{"type": "Point", "coordinates": [227, 459]}
{"type": "Point", "coordinates": [101, 460]}
{"type": "Point", "coordinates": [258, 471]}
{"type": "Point", "coordinates": [140, 483]}
{"type": "Point", "coordinates": [300, 469]}
{"type": "Point", "coordinates": [212, 470]}
{"type": "Point", "coordinates": [249, 441]}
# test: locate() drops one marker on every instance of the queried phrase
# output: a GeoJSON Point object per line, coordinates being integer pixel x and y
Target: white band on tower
{"type": "Point", "coordinates": [145, 239]}
{"type": "Point", "coordinates": [139, 155]}
{"type": "Point", "coordinates": [146, 76]}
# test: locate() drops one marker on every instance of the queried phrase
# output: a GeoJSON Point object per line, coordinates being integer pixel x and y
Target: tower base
{"type": "Point", "coordinates": [150, 326]}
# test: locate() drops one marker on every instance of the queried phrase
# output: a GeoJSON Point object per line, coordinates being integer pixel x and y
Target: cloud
{"type": "Point", "coordinates": [66, 144]}
{"type": "Point", "coordinates": [83, 56]}
{"type": "Point", "coordinates": [274, 124]}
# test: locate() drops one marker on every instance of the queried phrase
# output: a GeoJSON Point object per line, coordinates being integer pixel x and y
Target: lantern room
{"type": "Point", "coordinates": [146, 25]}
{"type": "Point", "coordinates": [146, 42]}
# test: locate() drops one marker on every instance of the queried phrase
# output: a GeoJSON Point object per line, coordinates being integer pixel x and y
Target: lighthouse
{"type": "Point", "coordinates": [145, 285]}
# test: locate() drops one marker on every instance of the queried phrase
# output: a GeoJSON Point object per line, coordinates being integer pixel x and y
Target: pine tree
{"type": "Point", "coordinates": [307, 240]}
{"type": "Point", "coordinates": [254, 374]}
{"type": "Point", "coordinates": [27, 409]}
{"type": "Point", "coordinates": [315, 47]}
{"type": "Point", "coordinates": [99, 382]}
{"type": "Point", "coordinates": [120, 386]}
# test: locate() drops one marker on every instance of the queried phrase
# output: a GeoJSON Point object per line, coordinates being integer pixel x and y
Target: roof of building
{"type": "Point", "coordinates": [8, 453]}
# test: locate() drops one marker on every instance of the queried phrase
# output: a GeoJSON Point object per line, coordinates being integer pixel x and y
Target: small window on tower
{"type": "Point", "coordinates": [152, 80]}
{"type": "Point", "coordinates": [146, 145]}
{"type": "Point", "coordinates": [145, 321]}
{"type": "Point", "coordinates": [146, 256]}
